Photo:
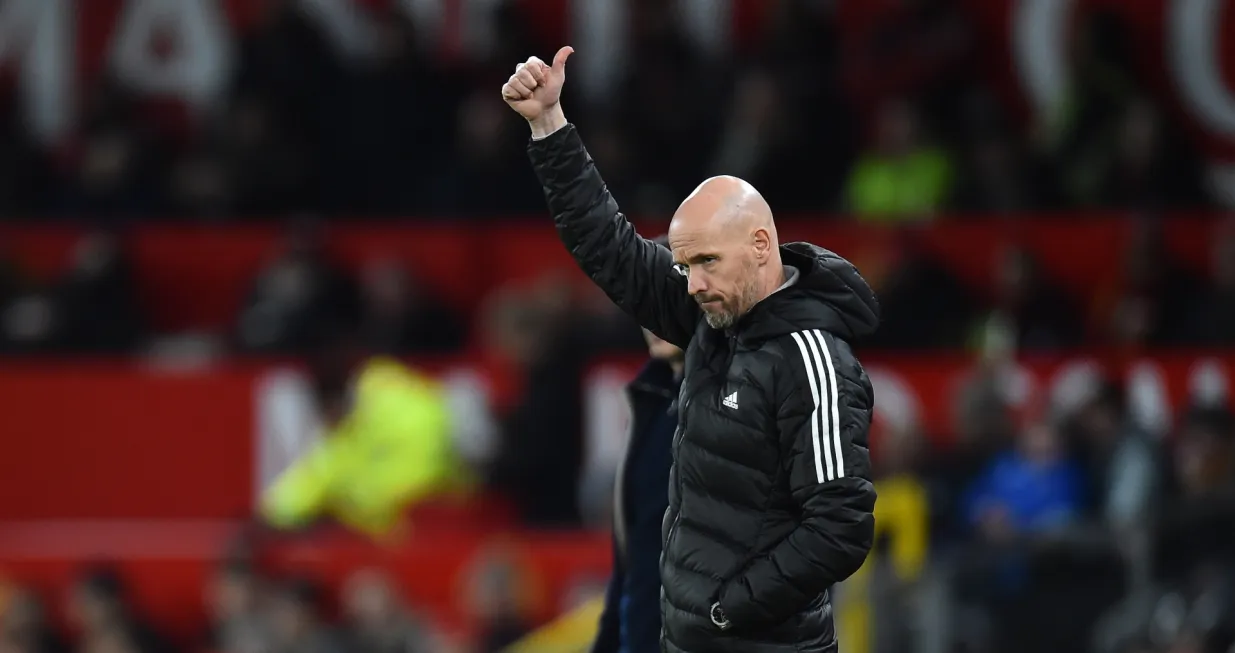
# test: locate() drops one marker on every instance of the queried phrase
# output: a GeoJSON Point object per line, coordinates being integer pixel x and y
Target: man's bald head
{"type": "Point", "coordinates": [724, 240]}
{"type": "Point", "coordinates": [724, 204]}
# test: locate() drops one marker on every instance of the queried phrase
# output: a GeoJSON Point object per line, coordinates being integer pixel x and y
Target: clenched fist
{"type": "Point", "coordinates": [535, 89]}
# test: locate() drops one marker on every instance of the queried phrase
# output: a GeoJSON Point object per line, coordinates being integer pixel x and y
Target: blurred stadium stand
{"type": "Point", "coordinates": [192, 192]}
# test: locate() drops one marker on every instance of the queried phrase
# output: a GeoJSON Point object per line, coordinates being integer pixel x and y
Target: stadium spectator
{"type": "Point", "coordinates": [298, 293]}
{"type": "Point", "coordinates": [1122, 459]}
{"type": "Point", "coordinates": [900, 177]}
{"type": "Point", "coordinates": [376, 622]}
{"type": "Point", "coordinates": [1147, 303]}
{"type": "Point", "coordinates": [24, 623]}
{"type": "Point", "coordinates": [540, 456]}
{"type": "Point", "coordinates": [1030, 312]}
{"type": "Point", "coordinates": [400, 315]}
{"type": "Point", "coordinates": [924, 305]}
{"type": "Point", "coordinates": [99, 611]}
{"type": "Point", "coordinates": [1031, 490]}
{"type": "Point", "coordinates": [1211, 318]}
{"type": "Point", "coordinates": [234, 602]}
{"type": "Point", "coordinates": [1198, 521]}
{"type": "Point", "coordinates": [296, 621]}
{"type": "Point", "coordinates": [499, 596]}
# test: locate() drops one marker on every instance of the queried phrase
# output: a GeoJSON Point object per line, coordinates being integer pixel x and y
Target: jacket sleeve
{"type": "Point", "coordinates": [301, 493]}
{"type": "Point", "coordinates": [636, 273]}
{"type": "Point", "coordinates": [824, 405]}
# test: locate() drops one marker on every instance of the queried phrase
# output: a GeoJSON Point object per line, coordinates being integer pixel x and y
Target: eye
{"type": "Point", "coordinates": [682, 269]}
{"type": "Point", "coordinates": [708, 260]}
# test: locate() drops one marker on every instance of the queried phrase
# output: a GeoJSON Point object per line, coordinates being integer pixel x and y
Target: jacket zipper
{"type": "Point", "coordinates": [677, 473]}
{"type": "Point", "coordinates": [677, 443]}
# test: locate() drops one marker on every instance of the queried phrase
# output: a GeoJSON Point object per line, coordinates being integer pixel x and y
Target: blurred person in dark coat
{"type": "Point", "coordinates": [1194, 530]}
{"type": "Point", "coordinates": [631, 620]}
{"type": "Point", "coordinates": [23, 623]}
{"type": "Point", "coordinates": [298, 291]}
{"type": "Point", "coordinates": [234, 601]}
{"type": "Point", "coordinates": [400, 315]}
{"type": "Point", "coordinates": [377, 622]}
{"type": "Point", "coordinates": [539, 460]}
{"type": "Point", "coordinates": [93, 308]}
{"type": "Point", "coordinates": [297, 626]}
{"type": "Point", "coordinates": [99, 611]}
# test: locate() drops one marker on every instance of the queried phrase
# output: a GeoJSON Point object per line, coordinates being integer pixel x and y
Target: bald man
{"type": "Point", "coordinates": [770, 499]}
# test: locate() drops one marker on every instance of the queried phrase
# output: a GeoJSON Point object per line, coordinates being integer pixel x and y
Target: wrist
{"type": "Point", "coordinates": [551, 120]}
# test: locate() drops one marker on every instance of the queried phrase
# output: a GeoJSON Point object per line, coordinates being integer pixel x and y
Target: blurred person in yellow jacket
{"type": "Point", "coordinates": [388, 445]}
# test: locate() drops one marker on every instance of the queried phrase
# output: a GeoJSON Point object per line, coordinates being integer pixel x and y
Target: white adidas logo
{"type": "Point", "coordinates": [731, 401]}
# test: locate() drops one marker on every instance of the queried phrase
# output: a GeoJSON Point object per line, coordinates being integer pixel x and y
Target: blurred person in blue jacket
{"type": "Point", "coordinates": [630, 622]}
{"type": "Point", "coordinates": [1032, 489]}
{"type": "Point", "coordinates": [1027, 496]}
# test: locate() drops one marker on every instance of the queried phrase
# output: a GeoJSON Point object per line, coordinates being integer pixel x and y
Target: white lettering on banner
{"type": "Point", "coordinates": [479, 26]}
{"type": "Point", "coordinates": [1039, 29]}
{"type": "Point", "coordinates": [1074, 384]}
{"type": "Point", "coordinates": [475, 430]}
{"type": "Point", "coordinates": [1208, 384]}
{"type": "Point", "coordinates": [456, 26]}
{"type": "Point", "coordinates": [38, 35]}
{"type": "Point", "coordinates": [1194, 51]}
{"type": "Point", "coordinates": [606, 432]}
{"type": "Point", "coordinates": [1148, 403]}
{"type": "Point", "coordinates": [197, 67]}
{"type": "Point", "coordinates": [603, 26]}
{"type": "Point", "coordinates": [898, 404]}
{"type": "Point", "coordinates": [429, 17]}
{"type": "Point", "coordinates": [349, 30]}
{"type": "Point", "coordinates": [709, 23]}
{"type": "Point", "coordinates": [286, 426]}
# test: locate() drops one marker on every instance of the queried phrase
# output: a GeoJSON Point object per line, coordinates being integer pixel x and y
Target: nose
{"type": "Point", "coordinates": [696, 282]}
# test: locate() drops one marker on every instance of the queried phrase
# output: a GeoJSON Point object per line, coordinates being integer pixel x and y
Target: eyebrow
{"type": "Point", "coordinates": [700, 256]}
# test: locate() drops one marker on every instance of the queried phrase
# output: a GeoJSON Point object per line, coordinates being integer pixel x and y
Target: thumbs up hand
{"type": "Point", "coordinates": [535, 90]}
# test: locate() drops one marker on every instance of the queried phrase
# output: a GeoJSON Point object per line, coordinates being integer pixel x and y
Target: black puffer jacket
{"type": "Point", "coordinates": [770, 501]}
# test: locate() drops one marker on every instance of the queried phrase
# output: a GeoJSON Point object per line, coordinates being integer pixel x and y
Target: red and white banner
{"type": "Point", "coordinates": [52, 51]}
{"type": "Point", "coordinates": [1179, 52]}
{"type": "Point", "coordinates": [185, 49]}
{"type": "Point", "coordinates": [97, 441]}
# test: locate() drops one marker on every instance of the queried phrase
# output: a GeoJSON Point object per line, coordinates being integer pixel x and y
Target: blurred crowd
{"type": "Point", "coordinates": [248, 611]}
{"type": "Point", "coordinates": [1082, 523]}
{"type": "Point", "coordinates": [1150, 299]}
{"type": "Point", "coordinates": [1115, 529]}
{"type": "Point", "coordinates": [818, 118]}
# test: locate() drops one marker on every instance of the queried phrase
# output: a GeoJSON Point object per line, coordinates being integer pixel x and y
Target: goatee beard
{"type": "Point", "coordinates": [720, 320]}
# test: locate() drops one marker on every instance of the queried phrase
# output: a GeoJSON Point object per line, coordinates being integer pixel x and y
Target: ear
{"type": "Point", "coordinates": [762, 242]}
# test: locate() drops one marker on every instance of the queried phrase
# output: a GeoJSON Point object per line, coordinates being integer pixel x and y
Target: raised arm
{"type": "Point", "coordinates": [636, 273]}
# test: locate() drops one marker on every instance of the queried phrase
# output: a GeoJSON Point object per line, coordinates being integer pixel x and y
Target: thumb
{"type": "Point", "coordinates": [559, 59]}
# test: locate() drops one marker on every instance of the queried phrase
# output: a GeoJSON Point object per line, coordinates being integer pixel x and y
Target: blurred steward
{"type": "Point", "coordinates": [388, 445]}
